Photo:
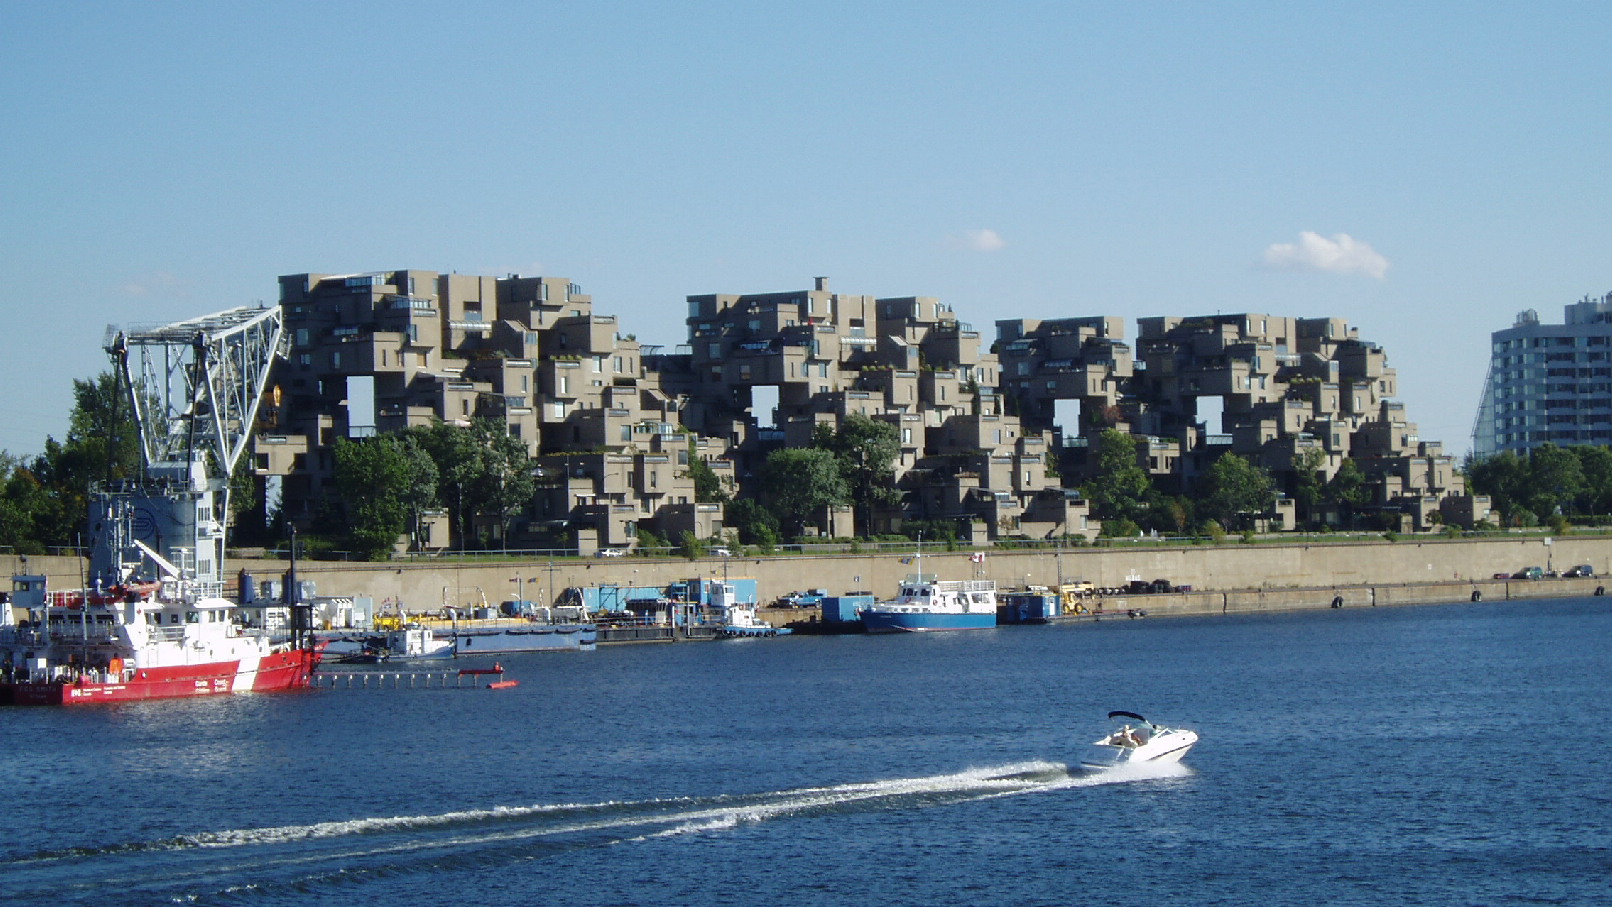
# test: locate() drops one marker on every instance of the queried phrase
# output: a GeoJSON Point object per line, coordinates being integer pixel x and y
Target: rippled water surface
{"type": "Point", "coordinates": [1451, 754]}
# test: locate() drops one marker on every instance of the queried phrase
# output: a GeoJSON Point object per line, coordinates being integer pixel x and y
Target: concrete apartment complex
{"type": "Point", "coordinates": [614, 424]}
{"type": "Point", "coordinates": [1548, 383]}
{"type": "Point", "coordinates": [404, 348]}
{"type": "Point", "coordinates": [1288, 390]}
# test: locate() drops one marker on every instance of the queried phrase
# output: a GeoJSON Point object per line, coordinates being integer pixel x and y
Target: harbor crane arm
{"type": "Point", "coordinates": [195, 386]}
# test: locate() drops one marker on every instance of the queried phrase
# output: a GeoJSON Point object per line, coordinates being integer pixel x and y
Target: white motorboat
{"type": "Point", "coordinates": [1141, 742]}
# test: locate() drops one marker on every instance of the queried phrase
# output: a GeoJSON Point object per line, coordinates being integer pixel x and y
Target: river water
{"type": "Point", "coordinates": [1451, 754]}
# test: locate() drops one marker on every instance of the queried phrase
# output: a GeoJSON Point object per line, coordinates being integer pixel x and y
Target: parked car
{"type": "Point", "coordinates": [719, 551]}
{"type": "Point", "coordinates": [1582, 570]}
{"type": "Point", "coordinates": [610, 552]}
{"type": "Point", "coordinates": [1529, 573]}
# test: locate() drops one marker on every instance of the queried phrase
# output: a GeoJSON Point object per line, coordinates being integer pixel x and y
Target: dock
{"type": "Point", "coordinates": [466, 678]}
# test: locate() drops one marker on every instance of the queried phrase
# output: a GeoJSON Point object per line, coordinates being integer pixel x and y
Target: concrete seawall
{"type": "Point", "coordinates": [1244, 601]}
{"type": "Point", "coordinates": [1227, 578]}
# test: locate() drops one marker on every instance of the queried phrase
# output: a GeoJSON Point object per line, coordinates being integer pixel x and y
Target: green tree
{"type": "Point", "coordinates": [708, 487]}
{"type": "Point", "coordinates": [1307, 485]}
{"type": "Point", "coordinates": [1119, 486]}
{"type": "Point", "coordinates": [1168, 514]}
{"type": "Point", "coordinates": [755, 524]}
{"type": "Point", "coordinates": [798, 482]}
{"type": "Point", "coordinates": [482, 471]}
{"type": "Point", "coordinates": [380, 482]}
{"type": "Point", "coordinates": [453, 450]}
{"type": "Point", "coordinates": [691, 546]}
{"type": "Point", "coordinates": [1503, 477]}
{"type": "Point", "coordinates": [1347, 489]}
{"type": "Point", "coordinates": [505, 479]}
{"type": "Point", "coordinates": [27, 508]}
{"type": "Point", "coordinates": [866, 451]}
{"type": "Point", "coordinates": [1554, 480]}
{"type": "Point", "coordinates": [1233, 489]}
{"type": "Point", "coordinates": [1595, 465]}
{"type": "Point", "coordinates": [102, 443]}
{"type": "Point", "coordinates": [102, 427]}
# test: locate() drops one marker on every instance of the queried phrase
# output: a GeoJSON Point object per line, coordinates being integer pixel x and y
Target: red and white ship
{"type": "Point", "coordinates": [157, 625]}
{"type": "Point", "coordinates": [139, 641]}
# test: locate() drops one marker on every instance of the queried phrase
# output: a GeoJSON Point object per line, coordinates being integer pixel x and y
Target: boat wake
{"type": "Point", "coordinates": [277, 861]}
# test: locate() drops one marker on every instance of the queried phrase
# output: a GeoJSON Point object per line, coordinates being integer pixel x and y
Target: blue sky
{"type": "Point", "coordinates": [1424, 171]}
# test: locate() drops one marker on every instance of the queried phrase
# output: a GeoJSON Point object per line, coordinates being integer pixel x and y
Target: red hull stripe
{"type": "Point", "coordinates": [282, 671]}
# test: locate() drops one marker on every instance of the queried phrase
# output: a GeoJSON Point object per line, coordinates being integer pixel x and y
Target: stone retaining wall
{"type": "Point", "coordinates": [1227, 578]}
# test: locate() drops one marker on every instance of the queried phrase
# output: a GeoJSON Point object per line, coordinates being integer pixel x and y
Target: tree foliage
{"type": "Point", "coordinates": [865, 450]}
{"type": "Point", "coordinates": [708, 486]}
{"type": "Point", "coordinates": [1555, 480]}
{"type": "Point", "coordinates": [1233, 490]}
{"type": "Point", "coordinates": [798, 483]}
{"type": "Point", "coordinates": [29, 512]}
{"type": "Point", "coordinates": [755, 524]}
{"type": "Point", "coordinates": [482, 471]}
{"type": "Point", "coordinates": [1119, 486]}
{"type": "Point", "coordinates": [1595, 465]}
{"type": "Point", "coordinates": [1308, 484]}
{"type": "Point", "coordinates": [43, 502]}
{"type": "Point", "coordinates": [1347, 488]}
{"type": "Point", "coordinates": [1546, 482]}
{"type": "Point", "coordinates": [371, 478]}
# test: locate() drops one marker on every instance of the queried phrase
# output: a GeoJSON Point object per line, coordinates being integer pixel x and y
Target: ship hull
{"type": "Point", "coordinates": [505, 641]}
{"type": "Point", "coordinates": [876, 621]}
{"type": "Point", "coordinates": [279, 671]}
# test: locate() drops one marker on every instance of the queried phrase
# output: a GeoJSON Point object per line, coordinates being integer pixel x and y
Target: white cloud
{"type": "Point", "coordinates": [979, 241]}
{"type": "Point", "coordinates": [1340, 254]}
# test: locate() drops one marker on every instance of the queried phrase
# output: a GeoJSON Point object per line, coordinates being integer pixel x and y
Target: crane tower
{"type": "Point", "coordinates": [194, 387]}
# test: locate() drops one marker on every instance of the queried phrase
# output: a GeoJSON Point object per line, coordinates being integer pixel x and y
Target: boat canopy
{"type": "Point", "coordinates": [1129, 715]}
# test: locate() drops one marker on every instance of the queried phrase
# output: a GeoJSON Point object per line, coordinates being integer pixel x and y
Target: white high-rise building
{"type": "Point", "coordinates": [1548, 383]}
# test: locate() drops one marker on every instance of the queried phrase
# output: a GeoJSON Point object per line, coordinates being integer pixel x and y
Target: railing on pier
{"type": "Point", "coordinates": [398, 680]}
